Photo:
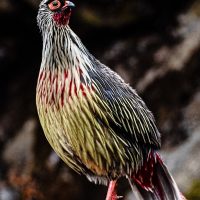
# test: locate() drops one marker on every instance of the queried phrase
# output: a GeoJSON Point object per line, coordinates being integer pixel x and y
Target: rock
{"type": "Point", "coordinates": [7, 193]}
{"type": "Point", "coordinates": [184, 160]}
{"type": "Point", "coordinates": [153, 45]}
{"type": "Point", "coordinates": [19, 151]}
{"type": "Point", "coordinates": [194, 192]}
{"type": "Point", "coordinates": [175, 59]}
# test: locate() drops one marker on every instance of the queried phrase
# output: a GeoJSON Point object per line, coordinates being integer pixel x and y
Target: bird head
{"type": "Point", "coordinates": [54, 12]}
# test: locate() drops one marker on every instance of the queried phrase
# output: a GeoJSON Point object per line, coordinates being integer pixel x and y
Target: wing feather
{"type": "Point", "coordinates": [131, 119]}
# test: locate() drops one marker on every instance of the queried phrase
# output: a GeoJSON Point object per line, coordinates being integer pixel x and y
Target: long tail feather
{"type": "Point", "coordinates": [154, 182]}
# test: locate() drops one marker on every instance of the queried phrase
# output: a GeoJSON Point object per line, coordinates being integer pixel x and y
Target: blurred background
{"type": "Point", "coordinates": [153, 45]}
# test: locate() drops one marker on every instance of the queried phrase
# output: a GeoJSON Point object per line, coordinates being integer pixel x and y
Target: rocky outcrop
{"type": "Point", "coordinates": [153, 46]}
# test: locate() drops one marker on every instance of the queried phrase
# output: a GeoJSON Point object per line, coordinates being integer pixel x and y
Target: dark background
{"type": "Point", "coordinates": [153, 45]}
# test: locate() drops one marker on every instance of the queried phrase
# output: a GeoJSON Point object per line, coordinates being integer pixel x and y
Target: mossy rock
{"type": "Point", "coordinates": [194, 192]}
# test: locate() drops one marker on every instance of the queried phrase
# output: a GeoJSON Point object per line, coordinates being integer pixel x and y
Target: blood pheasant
{"type": "Point", "coordinates": [94, 121]}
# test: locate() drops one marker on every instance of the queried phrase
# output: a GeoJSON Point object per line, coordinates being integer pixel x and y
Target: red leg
{"type": "Point", "coordinates": [111, 194]}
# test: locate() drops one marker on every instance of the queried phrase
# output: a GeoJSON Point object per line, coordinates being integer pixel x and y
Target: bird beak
{"type": "Point", "coordinates": [68, 4]}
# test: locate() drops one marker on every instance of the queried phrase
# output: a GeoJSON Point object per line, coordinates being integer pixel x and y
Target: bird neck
{"type": "Point", "coordinates": [65, 66]}
{"type": "Point", "coordinates": [63, 50]}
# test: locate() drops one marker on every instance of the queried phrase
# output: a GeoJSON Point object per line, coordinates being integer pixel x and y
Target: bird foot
{"type": "Point", "coordinates": [111, 194]}
{"type": "Point", "coordinates": [119, 197]}
{"type": "Point", "coordinates": [114, 197]}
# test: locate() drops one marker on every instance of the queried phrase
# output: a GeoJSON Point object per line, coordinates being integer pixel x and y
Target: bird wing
{"type": "Point", "coordinates": [131, 119]}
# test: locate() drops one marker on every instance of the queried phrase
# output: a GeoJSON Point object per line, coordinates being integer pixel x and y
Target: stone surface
{"type": "Point", "coordinates": [153, 46]}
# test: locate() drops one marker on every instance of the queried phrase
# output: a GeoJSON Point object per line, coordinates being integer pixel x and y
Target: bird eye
{"type": "Point", "coordinates": [54, 5]}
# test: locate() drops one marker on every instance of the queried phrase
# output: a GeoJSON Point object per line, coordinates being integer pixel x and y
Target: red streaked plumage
{"type": "Point", "coordinates": [75, 89]}
{"type": "Point", "coordinates": [82, 89]}
{"type": "Point", "coordinates": [62, 94]}
{"type": "Point", "coordinates": [66, 73]}
{"type": "Point", "coordinates": [46, 76]}
{"type": "Point", "coordinates": [70, 89]}
{"type": "Point", "coordinates": [41, 76]}
{"type": "Point", "coordinates": [144, 175]}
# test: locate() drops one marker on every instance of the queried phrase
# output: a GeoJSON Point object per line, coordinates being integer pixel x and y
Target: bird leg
{"type": "Point", "coordinates": [112, 194]}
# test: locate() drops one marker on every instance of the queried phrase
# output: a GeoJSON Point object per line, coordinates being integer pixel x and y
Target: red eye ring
{"type": "Point", "coordinates": [54, 5]}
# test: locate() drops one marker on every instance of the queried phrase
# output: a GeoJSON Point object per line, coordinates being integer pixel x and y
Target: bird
{"type": "Point", "coordinates": [95, 122]}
